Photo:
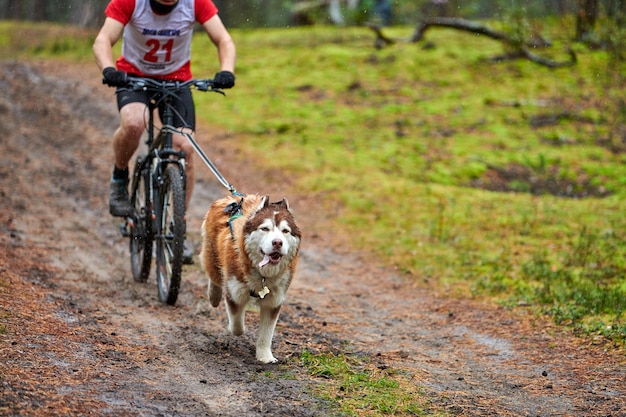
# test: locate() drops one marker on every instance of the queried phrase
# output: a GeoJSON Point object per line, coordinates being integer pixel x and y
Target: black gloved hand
{"type": "Point", "coordinates": [113, 77]}
{"type": "Point", "coordinates": [224, 79]}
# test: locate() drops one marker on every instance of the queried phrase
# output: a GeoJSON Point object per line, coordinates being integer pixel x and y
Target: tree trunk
{"type": "Point", "coordinates": [16, 9]}
{"type": "Point", "coordinates": [38, 10]}
{"type": "Point", "coordinates": [586, 18]}
{"type": "Point", "coordinates": [334, 12]}
{"type": "Point", "coordinates": [561, 7]}
{"type": "Point", "coordinates": [621, 13]}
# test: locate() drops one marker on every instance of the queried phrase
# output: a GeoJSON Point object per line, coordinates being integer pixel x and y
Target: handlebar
{"type": "Point", "coordinates": [151, 84]}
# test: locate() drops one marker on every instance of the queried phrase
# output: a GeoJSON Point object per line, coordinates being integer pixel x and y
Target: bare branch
{"type": "Point", "coordinates": [520, 50]}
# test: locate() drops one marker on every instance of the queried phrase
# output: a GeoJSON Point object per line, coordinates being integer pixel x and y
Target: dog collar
{"type": "Point", "coordinates": [261, 294]}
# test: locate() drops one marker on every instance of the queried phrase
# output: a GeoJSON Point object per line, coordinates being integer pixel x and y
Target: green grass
{"type": "Point", "coordinates": [399, 136]}
{"type": "Point", "coordinates": [26, 39]}
{"type": "Point", "coordinates": [355, 388]}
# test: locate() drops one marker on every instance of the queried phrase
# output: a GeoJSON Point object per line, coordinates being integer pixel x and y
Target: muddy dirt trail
{"type": "Point", "coordinates": [80, 337]}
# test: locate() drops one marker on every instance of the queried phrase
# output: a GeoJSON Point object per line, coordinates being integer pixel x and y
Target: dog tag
{"type": "Point", "coordinates": [264, 292]}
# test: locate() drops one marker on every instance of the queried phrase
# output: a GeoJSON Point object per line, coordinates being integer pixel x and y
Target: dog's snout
{"type": "Point", "coordinates": [277, 243]}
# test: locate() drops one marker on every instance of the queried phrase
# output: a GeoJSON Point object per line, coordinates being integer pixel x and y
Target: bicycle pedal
{"type": "Point", "coordinates": [126, 227]}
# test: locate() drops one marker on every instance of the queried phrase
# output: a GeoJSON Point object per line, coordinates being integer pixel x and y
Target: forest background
{"type": "Point", "coordinates": [280, 13]}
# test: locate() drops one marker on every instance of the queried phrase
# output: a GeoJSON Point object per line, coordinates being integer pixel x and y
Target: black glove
{"type": "Point", "coordinates": [113, 77]}
{"type": "Point", "coordinates": [224, 79]}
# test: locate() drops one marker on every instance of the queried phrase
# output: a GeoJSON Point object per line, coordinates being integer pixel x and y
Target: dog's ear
{"type": "Point", "coordinates": [283, 203]}
{"type": "Point", "coordinates": [286, 204]}
{"type": "Point", "coordinates": [265, 202]}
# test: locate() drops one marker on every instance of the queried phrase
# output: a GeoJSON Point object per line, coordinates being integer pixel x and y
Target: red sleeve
{"type": "Point", "coordinates": [205, 9]}
{"type": "Point", "coordinates": [120, 10]}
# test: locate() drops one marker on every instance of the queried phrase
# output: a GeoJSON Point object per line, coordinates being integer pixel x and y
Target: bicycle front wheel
{"type": "Point", "coordinates": [141, 231]}
{"type": "Point", "coordinates": [171, 238]}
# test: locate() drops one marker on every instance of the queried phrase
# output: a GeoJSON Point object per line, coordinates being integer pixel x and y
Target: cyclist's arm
{"type": "Point", "coordinates": [109, 34]}
{"type": "Point", "coordinates": [221, 38]}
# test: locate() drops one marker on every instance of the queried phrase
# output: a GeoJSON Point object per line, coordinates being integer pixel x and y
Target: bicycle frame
{"type": "Point", "coordinates": [160, 154]}
{"type": "Point", "coordinates": [158, 191]}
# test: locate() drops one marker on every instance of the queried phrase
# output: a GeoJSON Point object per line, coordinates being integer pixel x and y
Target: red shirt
{"type": "Point", "coordinates": [158, 45]}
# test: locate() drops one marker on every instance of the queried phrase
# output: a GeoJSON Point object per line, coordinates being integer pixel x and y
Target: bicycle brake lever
{"type": "Point", "coordinates": [139, 85]}
{"type": "Point", "coordinates": [202, 85]}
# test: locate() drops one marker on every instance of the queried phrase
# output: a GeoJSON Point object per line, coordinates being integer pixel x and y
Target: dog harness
{"type": "Point", "coordinates": [235, 210]}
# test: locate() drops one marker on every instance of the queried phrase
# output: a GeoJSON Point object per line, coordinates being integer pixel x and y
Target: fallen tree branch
{"type": "Point", "coordinates": [550, 63]}
{"type": "Point", "coordinates": [381, 39]}
{"type": "Point", "coordinates": [525, 53]}
{"type": "Point", "coordinates": [519, 50]}
{"type": "Point", "coordinates": [472, 27]}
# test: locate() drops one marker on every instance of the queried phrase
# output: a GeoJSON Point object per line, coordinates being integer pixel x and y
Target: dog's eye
{"type": "Point", "coordinates": [265, 229]}
{"type": "Point", "coordinates": [286, 231]}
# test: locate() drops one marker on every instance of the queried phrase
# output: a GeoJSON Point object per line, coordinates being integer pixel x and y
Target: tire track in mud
{"type": "Point", "coordinates": [475, 360]}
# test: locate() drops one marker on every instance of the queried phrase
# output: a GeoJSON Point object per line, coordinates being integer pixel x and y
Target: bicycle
{"type": "Point", "coordinates": [158, 190]}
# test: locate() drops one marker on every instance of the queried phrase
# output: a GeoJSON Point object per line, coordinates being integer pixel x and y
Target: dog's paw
{"type": "Point", "coordinates": [237, 330]}
{"type": "Point", "coordinates": [266, 357]}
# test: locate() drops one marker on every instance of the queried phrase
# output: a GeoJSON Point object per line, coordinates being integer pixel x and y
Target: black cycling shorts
{"type": "Point", "coordinates": [184, 109]}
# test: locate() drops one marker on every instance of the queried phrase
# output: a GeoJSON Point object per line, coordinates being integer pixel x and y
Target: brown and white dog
{"type": "Point", "coordinates": [250, 249]}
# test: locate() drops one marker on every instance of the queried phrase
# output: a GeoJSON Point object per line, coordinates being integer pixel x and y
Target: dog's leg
{"type": "Point", "coordinates": [215, 293]}
{"type": "Point", "coordinates": [236, 317]}
{"type": "Point", "coordinates": [267, 324]}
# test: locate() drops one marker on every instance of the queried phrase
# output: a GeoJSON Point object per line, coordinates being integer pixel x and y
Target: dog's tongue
{"type": "Point", "coordinates": [265, 261]}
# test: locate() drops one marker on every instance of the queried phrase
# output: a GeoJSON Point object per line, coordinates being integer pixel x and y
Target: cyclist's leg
{"type": "Point", "coordinates": [185, 119]}
{"type": "Point", "coordinates": [133, 107]}
{"type": "Point", "coordinates": [128, 134]}
{"type": "Point", "coordinates": [180, 142]}
{"type": "Point", "coordinates": [125, 141]}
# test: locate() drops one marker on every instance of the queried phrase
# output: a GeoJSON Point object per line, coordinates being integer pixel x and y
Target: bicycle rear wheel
{"type": "Point", "coordinates": [171, 239]}
{"type": "Point", "coordinates": [141, 234]}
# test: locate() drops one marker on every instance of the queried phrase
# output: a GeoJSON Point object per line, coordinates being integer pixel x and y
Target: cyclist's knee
{"type": "Point", "coordinates": [134, 126]}
{"type": "Point", "coordinates": [132, 119]}
{"type": "Point", "coordinates": [189, 156]}
{"type": "Point", "coordinates": [189, 151]}
{"type": "Point", "coordinates": [183, 144]}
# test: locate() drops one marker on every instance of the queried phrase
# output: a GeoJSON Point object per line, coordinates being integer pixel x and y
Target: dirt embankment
{"type": "Point", "coordinates": [79, 337]}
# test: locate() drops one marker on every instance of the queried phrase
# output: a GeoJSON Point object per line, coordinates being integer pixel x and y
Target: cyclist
{"type": "Point", "coordinates": [156, 42]}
